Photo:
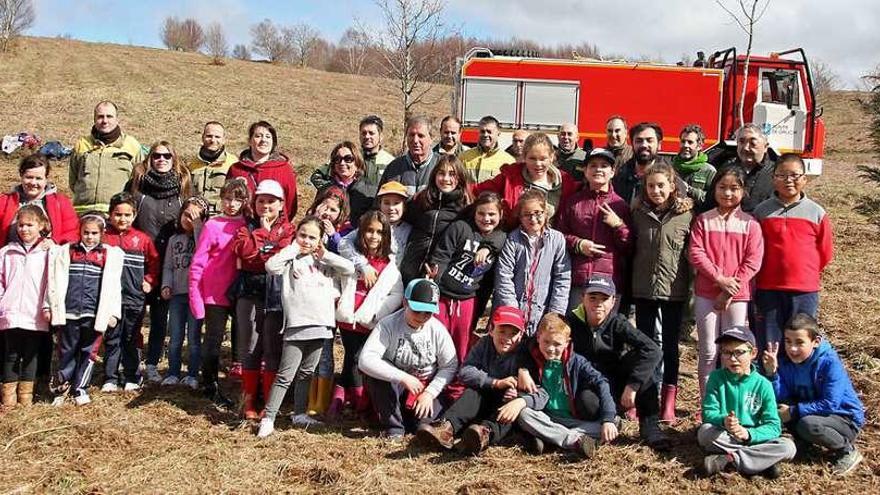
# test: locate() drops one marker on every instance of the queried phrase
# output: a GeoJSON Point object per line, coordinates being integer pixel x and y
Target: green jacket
{"type": "Point", "coordinates": [697, 174]}
{"type": "Point", "coordinates": [750, 397]}
{"type": "Point", "coordinates": [660, 266]}
{"type": "Point", "coordinates": [97, 171]}
{"type": "Point", "coordinates": [208, 178]}
{"type": "Point", "coordinates": [375, 166]}
{"type": "Point", "coordinates": [572, 163]}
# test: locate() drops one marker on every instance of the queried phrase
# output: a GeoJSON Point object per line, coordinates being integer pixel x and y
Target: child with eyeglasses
{"type": "Point", "coordinates": [797, 247]}
{"type": "Point", "coordinates": [741, 426]}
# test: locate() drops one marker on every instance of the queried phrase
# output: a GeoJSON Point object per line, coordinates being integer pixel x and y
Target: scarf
{"type": "Point", "coordinates": [107, 138]}
{"type": "Point", "coordinates": [209, 156]}
{"type": "Point", "coordinates": [160, 186]}
{"type": "Point", "coordinates": [689, 167]}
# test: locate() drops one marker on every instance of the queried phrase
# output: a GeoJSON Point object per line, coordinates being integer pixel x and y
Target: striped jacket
{"type": "Point", "coordinates": [85, 283]}
{"type": "Point", "coordinates": [798, 244]}
{"type": "Point", "coordinates": [141, 262]}
{"type": "Point", "coordinates": [725, 247]}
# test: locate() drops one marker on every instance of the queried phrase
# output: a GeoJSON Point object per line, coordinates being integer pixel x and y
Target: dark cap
{"type": "Point", "coordinates": [600, 153]}
{"type": "Point", "coordinates": [600, 283]}
{"type": "Point", "coordinates": [742, 334]}
{"type": "Point", "coordinates": [422, 295]}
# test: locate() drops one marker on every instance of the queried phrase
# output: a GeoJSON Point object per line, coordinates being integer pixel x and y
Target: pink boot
{"type": "Point", "coordinates": [337, 401]}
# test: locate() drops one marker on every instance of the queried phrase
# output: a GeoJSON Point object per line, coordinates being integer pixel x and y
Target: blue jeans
{"type": "Point", "coordinates": [180, 323]}
{"type": "Point", "coordinates": [327, 364]}
{"type": "Point", "coordinates": [773, 308]}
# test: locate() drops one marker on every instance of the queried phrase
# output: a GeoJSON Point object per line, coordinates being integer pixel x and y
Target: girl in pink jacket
{"type": "Point", "coordinates": [213, 270]}
{"type": "Point", "coordinates": [24, 309]}
{"type": "Point", "coordinates": [726, 250]}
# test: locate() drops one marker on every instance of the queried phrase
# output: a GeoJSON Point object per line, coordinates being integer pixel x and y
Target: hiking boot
{"type": "Point", "coordinates": [474, 439]}
{"type": "Point", "coordinates": [303, 420]}
{"type": "Point", "coordinates": [715, 464]}
{"type": "Point", "coordinates": [771, 473]}
{"type": "Point", "coordinates": [153, 375]}
{"type": "Point", "coordinates": [846, 462]}
{"type": "Point", "coordinates": [438, 433]}
{"type": "Point", "coordinates": [267, 427]}
{"type": "Point", "coordinates": [533, 445]}
{"type": "Point", "coordinates": [110, 387]}
{"type": "Point", "coordinates": [10, 397]}
{"type": "Point", "coordinates": [587, 446]}
{"type": "Point", "coordinates": [170, 380]}
{"type": "Point", "coordinates": [650, 432]}
{"type": "Point", "coordinates": [26, 394]}
{"type": "Point", "coordinates": [191, 382]}
{"type": "Point", "coordinates": [212, 392]}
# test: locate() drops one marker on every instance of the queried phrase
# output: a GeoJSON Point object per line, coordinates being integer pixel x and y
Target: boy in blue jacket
{"type": "Point", "coordinates": [817, 401]}
{"type": "Point", "coordinates": [482, 415]}
{"type": "Point", "coordinates": [565, 377]}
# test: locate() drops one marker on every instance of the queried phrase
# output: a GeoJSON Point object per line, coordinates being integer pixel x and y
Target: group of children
{"type": "Point", "coordinates": [561, 359]}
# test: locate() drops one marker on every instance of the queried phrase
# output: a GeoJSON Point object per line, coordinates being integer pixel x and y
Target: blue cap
{"type": "Point", "coordinates": [602, 284]}
{"type": "Point", "coordinates": [422, 295]}
{"type": "Point", "coordinates": [743, 334]}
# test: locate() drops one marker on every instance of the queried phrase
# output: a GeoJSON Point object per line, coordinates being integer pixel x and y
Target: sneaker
{"type": "Point", "coordinates": [110, 387]}
{"type": "Point", "coordinates": [171, 380]}
{"type": "Point", "coordinates": [392, 436]}
{"type": "Point", "coordinates": [190, 381]}
{"type": "Point", "coordinates": [438, 433]}
{"type": "Point", "coordinates": [715, 464]}
{"type": "Point", "coordinates": [58, 401]}
{"type": "Point", "coordinates": [304, 421]}
{"type": "Point", "coordinates": [267, 427]}
{"type": "Point", "coordinates": [235, 370]}
{"type": "Point", "coordinates": [131, 387]}
{"type": "Point", "coordinates": [587, 446]}
{"type": "Point", "coordinates": [474, 439]}
{"type": "Point", "coordinates": [82, 399]}
{"type": "Point", "coordinates": [533, 445]}
{"type": "Point", "coordinates": [847, 462]}
{"type": "Point", "coordinates": [153, 375]}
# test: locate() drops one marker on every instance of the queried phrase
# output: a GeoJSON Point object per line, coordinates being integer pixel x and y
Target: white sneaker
{"type": "Point", "coordinates": [304, 420]}
{"type": "Point", "coordinates": [191, 382]}
{"type": "Point", "coordinates": [58, 401]}
{"type": "Point", "coordinates": [131, 387]}
{"type": "Point", "coordinates": [170, 380]}
{"type": "Point", "coordinates": [110, 387]}
{"type": "Point", "coordinates": [267, 427]}
{"type": "Point", "coordinates": [82, 399]}
{"type": "Point", "coordinates": [153, 375]}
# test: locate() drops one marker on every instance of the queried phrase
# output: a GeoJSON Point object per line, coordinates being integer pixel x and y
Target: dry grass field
{"type": "Point", "coordinates": [162, 441]}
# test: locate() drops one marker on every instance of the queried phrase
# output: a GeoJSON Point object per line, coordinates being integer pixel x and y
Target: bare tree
{"type": "Point", "coordinates": [303, 40]}
{"type": "Point", "coordinates": [408, 27]}
{"type": "Point", "coordinates": [16, 16]}
{"type": "Point", "coordinates": [268, 41]}
{"type": "Point", "coordinates": [825, 80]}
{"type": "Point", "coordinates": [192, 35]}
{"type": "Point", "coordinates": [750, 12]}
{"type": "Point", "coordinates": [171, 34]}
{"type": "Point", "coordinates": [215, 43]}
{"type": "Point", "coordinates": [355, 45]}
{"type": "Point", "coordinates": [241, 52]}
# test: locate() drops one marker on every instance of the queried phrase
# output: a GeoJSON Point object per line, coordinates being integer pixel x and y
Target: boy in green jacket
{"type": "Point", "coordinates": [741, 428]}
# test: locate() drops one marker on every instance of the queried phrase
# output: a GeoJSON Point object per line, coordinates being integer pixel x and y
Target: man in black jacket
{"type": "Point", "coordinates": [623, 354]}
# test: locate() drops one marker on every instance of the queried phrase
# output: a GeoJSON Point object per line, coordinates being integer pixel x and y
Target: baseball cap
{"type": "Point", "coordinates": [743, 334]}
{"type": "Point", "coordinates": [601, 284]}
{"type": "Point", "coordinates": [422, 295]}
{"type": "Point", "coordinates": [508, 315]}
{"type": "Point", "coordinates": [601, 153]}
{"type": "Point", "coordinates": [393, 187]}
{"type": "Point", "coordinates": [271, 188]}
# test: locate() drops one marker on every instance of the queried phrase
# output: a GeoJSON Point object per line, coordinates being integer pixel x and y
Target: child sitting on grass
{"type": "Point", "coordinates": [566, 417]}
{"type": "Point", "coordinates": [817, 401]}
{"type": "Point", "coordinates": [484, 414]}
{"type": "Point", "coordinates": [741, 428]}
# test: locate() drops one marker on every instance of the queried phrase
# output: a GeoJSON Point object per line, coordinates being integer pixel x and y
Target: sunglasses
{"type": "Point", "coordinates": [166, 156]}
{"type": "Point", "coordinates": [343, 159]}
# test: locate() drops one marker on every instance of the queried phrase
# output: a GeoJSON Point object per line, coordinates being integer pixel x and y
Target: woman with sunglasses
{"type": "Point", "coordinates": [347, 171]}
{"type": "Point", "coordinates": [159, 185]}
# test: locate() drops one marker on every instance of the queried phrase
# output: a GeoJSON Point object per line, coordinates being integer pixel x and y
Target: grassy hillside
{"type": "Point", "coordinates": [171, 441]}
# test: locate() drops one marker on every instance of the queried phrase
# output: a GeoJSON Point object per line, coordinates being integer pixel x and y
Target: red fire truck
{"type": "Point", "coordinates": [539, 94]}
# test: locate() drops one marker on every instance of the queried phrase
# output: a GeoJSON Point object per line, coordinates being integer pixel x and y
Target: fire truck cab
{"type": "Point", "coordinates": [540, 94]}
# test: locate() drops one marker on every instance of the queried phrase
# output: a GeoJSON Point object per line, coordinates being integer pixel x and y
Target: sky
{"type": "Point", "coordinates": [842, 34]}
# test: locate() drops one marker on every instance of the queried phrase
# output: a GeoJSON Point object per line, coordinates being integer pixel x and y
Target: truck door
{"type": "Point", "coordinates": [781, 110]}
{"type": "Point", "coordinates": [495, 97]}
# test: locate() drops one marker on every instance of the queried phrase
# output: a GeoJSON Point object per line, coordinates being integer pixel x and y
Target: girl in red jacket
{"type": "Point", "coordinates": [726, 251]}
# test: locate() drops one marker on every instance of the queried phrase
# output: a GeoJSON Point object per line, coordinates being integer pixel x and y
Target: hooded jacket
{"type": "Point", "coordinates": [213, 267]}
{"type": "Point", "coordinates": [580, 217]}
{"type": "Point", "coordinates": [278, 168]}
{"type": "Point", "coordinates": [615, 348]}
{"type": "Point", "coordinates": [511, 182]}
{"type": "Point", "coordinates": [209, 178]}
{"type": "Point", "coordinates": [731, 247]}
{"type": "Point", "coordinates": [750, 397]}
{"type": "Point", "coordinates": [23, 287]}
{"type": "Point", "coordinates": [427, 230]}
{"type": "Point", "coordinates": [454, 255]}
{"type": "Point", "coordinates": [59, 209]}
{"type": "Point", "coordinates": [97, 171]}
{"type": "Point", "coordinates": [534, 280]}
{"type": "Point", "coordinates": [660, 267]}
{"type": "Point", "coordinates": [141, 263]}
{"type": "Point", "coordinates": [818, 386]}
{"type": "Point", "coordinates": [106, 285]}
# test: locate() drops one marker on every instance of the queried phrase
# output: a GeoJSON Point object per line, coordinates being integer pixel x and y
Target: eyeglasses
{"type": "Point", "coordinates": [535, 215]}
{"type": "Point", "coordinates": [343, 159]}
{"type": "Point", "coordinates": [166, 156]}
{"type": "Point", "coordinates": [735, 354]}
{"type": "Point", "coordinates": [788, 177]}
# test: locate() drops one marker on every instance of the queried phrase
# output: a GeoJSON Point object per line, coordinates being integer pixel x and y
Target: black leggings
{"type": "Point", "coordinates": [20, 360]}
{"type": "Point", "coordinates": [670, 313]}
{"type": "Point", "coordinates": [352, 342]}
